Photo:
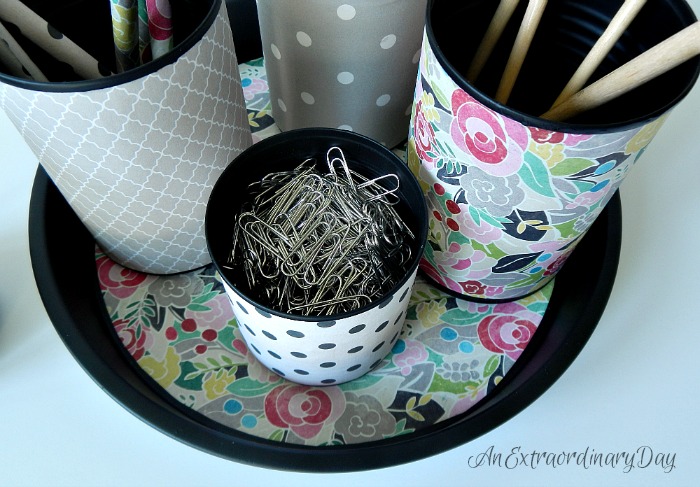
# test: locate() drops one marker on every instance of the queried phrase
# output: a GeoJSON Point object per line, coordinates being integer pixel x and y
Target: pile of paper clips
{"type": "Point", "coordinates": [316, 244]}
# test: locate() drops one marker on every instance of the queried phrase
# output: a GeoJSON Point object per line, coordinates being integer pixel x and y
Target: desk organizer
{"type": "Point", "coordinates": [169, 350]}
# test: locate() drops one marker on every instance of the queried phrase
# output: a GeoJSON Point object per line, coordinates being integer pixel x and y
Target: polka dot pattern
{"type": "Point", "coordinates": [346, 12]}
{"type": "Point", "coordinates": [388, 41]}
{"type": "Point", "coordinates": [323, 352]}
{"type": "Point", "coordinates": [345, 78]}
{"type": "Point", "coordinates": [367, 92]}
{"type": "Point", "coordinates": [304, 39]}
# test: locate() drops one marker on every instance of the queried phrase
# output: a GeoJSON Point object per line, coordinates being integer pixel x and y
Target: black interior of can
{"type": "Point", "coordinates": [566, 33]}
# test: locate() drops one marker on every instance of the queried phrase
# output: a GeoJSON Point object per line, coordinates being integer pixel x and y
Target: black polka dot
{"type": "Point", "coordinates": [355, 349]}
{"type": "Point", "coordinates": [273, 354]}
{"type": "Point", "coordinates": [327, 365]}
{"type": "Point", "coordinates": [278, 372]}
{"type": "Point", "coordinates": [378, 347]}
{"type": "Point", "coordinates": [357, 329]}
{"type": "Point", "coordinates": [381, 327]}
{"type": "Point", "coordinates": [263, 313]}
{"type": "Point", "coordinates": [375, 364]}
{"type": "Point", "coordinates": [398, 318]}
{"type": "Point", "coordinates": [326, 324]}
{"type": "Point", "coordinates": [269, 335]}
{"type": "Point", "coordinates": [405, 293]}
{"type": "Point", "coordinates": [328, 381]}
{"type": "Point", "coordinates": [384, 303]}
{"type": "Point", "coordinates": [298, 355]}
{"type": "Point", "coordinates": [354, 367]}
{"type": "Point", "coordinates": [301, 372]}
{"type": "Point", "coordinates": [241, 306]}
{"type": "Point", "coordinates": [326, 346]}
{"type": "Point", "coordinates": [54, 32]}
{"type": "Point", "coordinates": [395, 337]}
{"type": "Point", "coordinates": [249, 330]}
{"type": "Point", "coordinates": [295, 334]}
{"type": "Point", "coordinates": [255, 349]}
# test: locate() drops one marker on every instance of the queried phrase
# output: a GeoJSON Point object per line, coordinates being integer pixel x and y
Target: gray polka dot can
{"type": "Point", "coordinates": [347, 64]}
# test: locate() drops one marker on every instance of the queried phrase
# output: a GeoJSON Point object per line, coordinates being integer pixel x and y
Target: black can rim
{"type": "Point", "coordinates": [421, 213]}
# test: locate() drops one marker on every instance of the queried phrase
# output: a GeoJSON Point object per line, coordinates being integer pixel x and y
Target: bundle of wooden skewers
{"type": "Point", "coordinates": [576, 97]}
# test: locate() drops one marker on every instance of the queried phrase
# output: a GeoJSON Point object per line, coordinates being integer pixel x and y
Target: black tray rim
{"type": "Point", "coordinates": [72, 299]}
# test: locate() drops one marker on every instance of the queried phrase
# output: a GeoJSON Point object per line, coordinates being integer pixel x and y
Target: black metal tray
{"type": "Point", "coordinates": [62, 253]}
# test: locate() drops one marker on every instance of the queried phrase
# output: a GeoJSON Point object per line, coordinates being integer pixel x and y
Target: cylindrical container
{"type": "Point", "coordinates": [137, 153]}
{"type": "Point", "coordinates": [511, 194]}
{"type": "Point", "coordinates": [342, 64]}
{"type": "Point", "coordinates": [315, 350]}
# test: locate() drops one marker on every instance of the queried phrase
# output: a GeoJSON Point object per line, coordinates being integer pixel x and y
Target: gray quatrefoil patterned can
{"type": "Point", "coordinates": [136, 154]}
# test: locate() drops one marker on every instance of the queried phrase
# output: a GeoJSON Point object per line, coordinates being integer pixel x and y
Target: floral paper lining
{"type": "Point", "coordinates": [181, 331]}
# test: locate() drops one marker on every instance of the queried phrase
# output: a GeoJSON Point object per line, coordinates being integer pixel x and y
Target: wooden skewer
{"type": "Point", "coordinates": [528, 27]}
{"type": "Point", "coordinates": [622, 19]}
{"type": "Point", "coordinates": [503, 14]}
{"type": "Point", "coordinates": [659, 59]}
{"type": "Point", "coordinates": [16, 58]}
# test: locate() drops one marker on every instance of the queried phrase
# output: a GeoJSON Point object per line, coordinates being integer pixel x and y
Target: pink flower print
{"type": "Point", "coordinates": [482, 232]}
{"type": "Point", "coordinates": [218, 316]}
{"type": "Point", "coordinates": [542, 136]}
{"type": "Point", "coordinates": [119, 281]}
{"type": "Point", "coordinates": [589, 198]}
{"type": "Point", "coordinates": [508, 329]}
{"type": "Point", "coordinates": [496, 143]}
{"type": "Point", "coordinates": [134, 338]}
{"type": "Point", "coordinates": [413, 354]}
{"type": "Point", "coordinates": [423, 133]}
{"type": "Point", "coordinates": [253, 86]}
{"type": "Point", "coordinates": [302, 409]}
{"type": "Point", "coordinates": [439, 275]}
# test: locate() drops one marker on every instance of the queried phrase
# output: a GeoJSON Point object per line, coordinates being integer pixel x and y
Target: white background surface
{"type": "Point", "coordinates": [635, 383]}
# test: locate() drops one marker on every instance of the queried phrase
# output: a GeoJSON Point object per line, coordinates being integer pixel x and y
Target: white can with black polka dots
{"type": "Point", "coordinates": [318, 351]}
{"type": "Point", "coordinates": [348, 64]}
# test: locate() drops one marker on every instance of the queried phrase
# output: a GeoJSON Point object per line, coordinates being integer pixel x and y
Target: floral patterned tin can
{"type": "Point", "coordinates": [509, 194]}
{"type": "Point", "coordinates": [347, 64]}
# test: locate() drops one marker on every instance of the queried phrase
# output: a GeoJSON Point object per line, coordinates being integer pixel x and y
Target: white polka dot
{"type": "Point", "coordinates": [416, 57]}
{"type": "Point", "coordinates": [275, 51]}
{"type": "Point", "coordinates": [308, 98]}
{"type": "Point", "coordinates": [345, 127]}
{"type": "Point", "coordinates": [281, 104]}
{"type": "Point", "coordinates": [303, 39]}
{"type": "Point", "coordinates": [346, 12]}
{"type": "Point", "coordinates": [346, 77]}
{"type": "Point", "coordinates": [383, 100]}
{"type": "Point", "coordinates": [388, 41]}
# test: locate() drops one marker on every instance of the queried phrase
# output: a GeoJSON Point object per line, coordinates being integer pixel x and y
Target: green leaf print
{"type": "Point", "coordinates": [444, 101]}
{"type": "Point", "coordinates": [535, 175]}
{"type": "Point", "coordinates": [247, 387]}
{"type": "Point", "coordinates": [457, 316]}
{"type": "Point", "coordinates": [492, 365]}
{"type": "Point", "coordinates": [566, 229]}
{"type": "Point", "coordinates": [573, 165]}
